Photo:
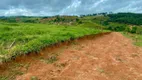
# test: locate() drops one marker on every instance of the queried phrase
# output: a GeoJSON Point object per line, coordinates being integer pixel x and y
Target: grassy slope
{"type": "Point", "coordinates": [20, 38]}
{"type": "Point", "coordinates": [136, 38]}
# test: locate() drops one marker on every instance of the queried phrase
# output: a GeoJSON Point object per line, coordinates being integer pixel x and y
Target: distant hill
{"type": "Point", "coordinates": [127, 18]}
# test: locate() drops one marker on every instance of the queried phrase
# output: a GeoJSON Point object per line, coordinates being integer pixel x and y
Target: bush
{"type": "Point", "coordinates": [134, 29]}
{"type": "Point", "coordinates": [116, 28]}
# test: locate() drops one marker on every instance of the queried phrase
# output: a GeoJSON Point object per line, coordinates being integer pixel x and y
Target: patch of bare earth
{"type": "Point", "coordinates": [108, 57]}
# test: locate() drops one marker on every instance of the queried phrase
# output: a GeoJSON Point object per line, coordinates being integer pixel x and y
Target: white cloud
{"type": "Point", "coordinates": [130, 7]}
{"type": "Point", "coordinates": [18, 11]}
{"type": "Point", "coordinates": [71, 8]}
{"type": "Point", "coordinates": [97, 3]}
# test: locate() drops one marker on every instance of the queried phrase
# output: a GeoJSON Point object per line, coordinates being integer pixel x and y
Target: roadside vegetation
{"type": "Point", "coordinates": [22, 38]}
{"type": "Point", "coordinates": [136, 38]}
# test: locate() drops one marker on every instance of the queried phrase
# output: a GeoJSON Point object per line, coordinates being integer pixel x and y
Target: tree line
{"type": "Point", "coordinates": [127, 18]}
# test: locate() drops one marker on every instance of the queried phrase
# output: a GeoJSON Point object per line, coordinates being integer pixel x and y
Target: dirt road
{"type": "Point", "coordinates": [108, 57]}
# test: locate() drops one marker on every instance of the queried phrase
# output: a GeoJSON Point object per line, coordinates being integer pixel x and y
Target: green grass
{"type": "Point", "coordinates": [137, 38]}
{"type": "Point", "coordinates": [22, 38]}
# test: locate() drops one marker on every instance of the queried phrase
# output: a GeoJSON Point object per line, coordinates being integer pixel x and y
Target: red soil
{"type": "Point", "coordinates": [108, 57]}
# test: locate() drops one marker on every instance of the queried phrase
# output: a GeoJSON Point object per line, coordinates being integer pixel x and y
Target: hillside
{"type": "Point", "coordinates": [127, 18]}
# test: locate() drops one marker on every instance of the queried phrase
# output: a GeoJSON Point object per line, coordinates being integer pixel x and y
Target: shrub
{"type": "Point", "coordinates": [134, 29]}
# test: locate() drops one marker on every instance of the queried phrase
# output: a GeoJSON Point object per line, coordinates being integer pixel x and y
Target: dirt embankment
{"type": "Point", "coordinates": [108, 57]}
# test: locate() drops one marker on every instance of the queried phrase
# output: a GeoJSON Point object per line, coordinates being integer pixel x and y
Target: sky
{"type": "Point", "coordinates": [66, 7]}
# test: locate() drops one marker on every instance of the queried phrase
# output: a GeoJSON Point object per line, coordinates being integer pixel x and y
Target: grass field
{"type": "Point", "coordinates": [22, 38]}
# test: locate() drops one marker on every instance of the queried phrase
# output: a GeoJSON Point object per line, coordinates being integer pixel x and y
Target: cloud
{"type": "Point", "coordinates": [66, 7]}
{"type": "Point", "coordinates": [133, 6]}
{"type": "Point", "coordinates": [71, 9]}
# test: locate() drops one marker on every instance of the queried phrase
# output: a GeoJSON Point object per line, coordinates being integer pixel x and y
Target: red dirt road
{"type": "Point", "coordinates": [108, 57]}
